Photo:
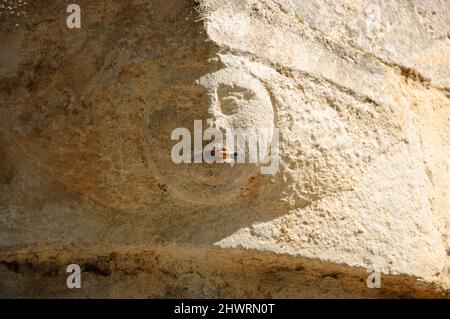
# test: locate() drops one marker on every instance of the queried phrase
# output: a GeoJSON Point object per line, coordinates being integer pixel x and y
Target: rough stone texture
{"type": "Point", "coordinates": [85, 138]}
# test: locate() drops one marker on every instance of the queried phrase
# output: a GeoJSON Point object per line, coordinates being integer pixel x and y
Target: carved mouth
{"type": "Point", "coordinates": [222, 152]}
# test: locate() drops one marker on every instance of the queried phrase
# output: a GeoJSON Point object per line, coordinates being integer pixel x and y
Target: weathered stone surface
{"type": "Point", "coordinates": [364, 121]}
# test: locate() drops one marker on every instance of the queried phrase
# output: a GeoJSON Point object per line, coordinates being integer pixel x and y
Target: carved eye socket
{"type": "Point", "coordinates": [233, 98]}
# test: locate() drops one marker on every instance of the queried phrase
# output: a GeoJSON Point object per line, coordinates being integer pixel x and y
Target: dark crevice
{"type": "Point", "coordinates": [11, 266]}
{"type": "Point", "coordinates": [96, 269]}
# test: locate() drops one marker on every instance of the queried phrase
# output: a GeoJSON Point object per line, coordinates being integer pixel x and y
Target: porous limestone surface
{"type": "Point", "coordinates": [358, 91]}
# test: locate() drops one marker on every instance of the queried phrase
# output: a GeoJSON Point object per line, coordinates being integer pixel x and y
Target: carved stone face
{"type": "Point", "coordinates": [225, 99]}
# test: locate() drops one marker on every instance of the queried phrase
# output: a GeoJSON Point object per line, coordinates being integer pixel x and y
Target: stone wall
{"type": "Point", "coordinates": [359, 96]}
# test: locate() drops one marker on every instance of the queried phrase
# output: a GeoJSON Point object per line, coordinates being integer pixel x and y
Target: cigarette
{"type": "Point", "coordinates": [224, 153]}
